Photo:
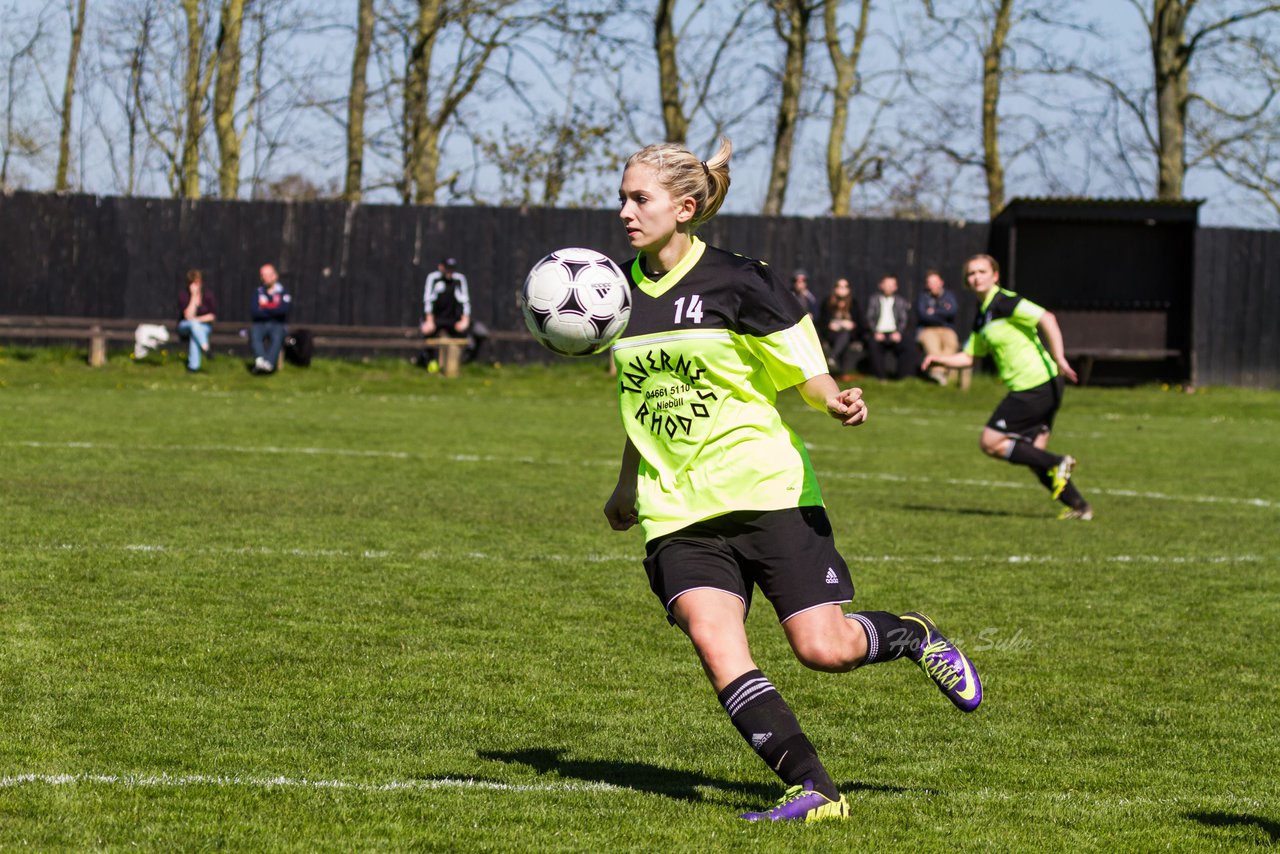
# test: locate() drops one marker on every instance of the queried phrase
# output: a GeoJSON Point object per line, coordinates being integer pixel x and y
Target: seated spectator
{"type": "Point", "coordinates": [270, 313]}
{"type": "Point", "coordinates": [800, 287]}
{"type": "Point", "coordinates": [838, 327]}
{"type": "Point", "coordinates": [446, 310]}
{"type": "Point", "coordinates": [936, 315]}
{"type": "Point", "coordinates": [197, 310]}
{"type": "Point", "coordinates": [887, 318]}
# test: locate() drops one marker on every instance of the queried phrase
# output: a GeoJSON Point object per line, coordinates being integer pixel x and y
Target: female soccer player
{"type": "Point", "coordinates": [723, 489]}
{"type": "Point", "coordinates": [1009, 328]}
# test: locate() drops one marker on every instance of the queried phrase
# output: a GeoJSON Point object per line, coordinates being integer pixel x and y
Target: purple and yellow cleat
{"type": "Point", "coordinates": [802, 803]}
{"type": "Point", "coordinates": [948, 667]}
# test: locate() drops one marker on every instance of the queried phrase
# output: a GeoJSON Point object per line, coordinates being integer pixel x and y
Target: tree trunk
{"type": "Point", "coordinates": [1171, 56]}
{"type": "Point", "coordinates": [193, 93]}
{"type": "Point", "coordinates": [421, 142]}
{"type": "Point", "coordinates": [791, 20]}
{"type": "Point", "coordinates": [224, 98]}
{"type": "Point", "coordinates": [839, 177]}
{"type": "Point", "coordinates": [992, 74]}
{"type": "Point", "coordinates": [356, 102]}
{"type": "Point", "coordinates": [664, 42]}
{"type": "Point", "coordinates": [68, 98]}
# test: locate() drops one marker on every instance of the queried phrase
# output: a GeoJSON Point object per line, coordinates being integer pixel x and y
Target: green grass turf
{"type": "Point", "coordinates": [361, 607]}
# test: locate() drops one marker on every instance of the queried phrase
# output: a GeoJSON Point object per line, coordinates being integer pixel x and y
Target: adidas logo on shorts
{"type": "Point", "coordinates": [832, 578]}
{"type": "Point", "coordinates": [760, 738]}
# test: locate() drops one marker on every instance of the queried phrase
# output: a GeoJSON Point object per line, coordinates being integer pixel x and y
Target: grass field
{"type": "Point", "coordinates": [360, 607]}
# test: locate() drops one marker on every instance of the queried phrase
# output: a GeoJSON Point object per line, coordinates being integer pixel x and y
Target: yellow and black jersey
{"type": "Point", "coordinates": [707, 348]}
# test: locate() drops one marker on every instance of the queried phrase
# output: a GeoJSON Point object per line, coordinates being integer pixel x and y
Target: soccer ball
{"type": "Point", "coordinates": [576, 302]}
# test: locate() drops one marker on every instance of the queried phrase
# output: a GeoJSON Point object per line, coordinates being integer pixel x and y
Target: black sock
{"type": "Point", "coordinates": [770, 727]}
{"type": "Point", "coordinates": [889, 637]}
{"type": "Point", "coordinates": [1070, 495]}
{"type": "Point", "coordinates": [1023, 453]}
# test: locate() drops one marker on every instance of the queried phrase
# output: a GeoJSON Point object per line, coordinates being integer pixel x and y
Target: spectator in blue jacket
{"type": "Point", "coordinates": [936, 323]}
{"type": "Point", "coordinates": [270, 312]}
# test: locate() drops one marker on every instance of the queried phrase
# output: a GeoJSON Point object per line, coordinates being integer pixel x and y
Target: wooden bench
{"type": "Point", "coordinates": [1091, 336]}
{"type": "Point", "coordinates": [99, 331]}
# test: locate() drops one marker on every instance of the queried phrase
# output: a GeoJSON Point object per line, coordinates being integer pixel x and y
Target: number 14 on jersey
{"type": "Point", "coordinates": [695, 309]}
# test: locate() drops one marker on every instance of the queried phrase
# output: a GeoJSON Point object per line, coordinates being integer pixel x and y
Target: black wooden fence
{"type": "Point", "coordinates": [1236, 322]}
{"type": "Point", "coordinates": [109, 257]}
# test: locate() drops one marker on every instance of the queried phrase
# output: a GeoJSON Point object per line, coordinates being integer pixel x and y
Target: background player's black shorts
{"type": "Point", "coordinates": [1028, 413]}
{"type": "Point", "coordinates": [790, 554]}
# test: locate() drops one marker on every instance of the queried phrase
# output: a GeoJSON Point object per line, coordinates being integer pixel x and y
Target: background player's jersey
{"type": "Point", "coordinates": [704, 354]}
{"type": "Point", "coordinates": [1006, 329]}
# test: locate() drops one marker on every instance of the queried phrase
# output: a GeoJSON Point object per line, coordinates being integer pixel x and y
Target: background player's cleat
{"type": "Point", "coordinates": [948, 667]}
{"type": "Point", "coordinates": [1061, 475]}
{"type": "Point", "coordinates": [802, 803]}
{"type": "Point", "coordinates": [1084, 514]}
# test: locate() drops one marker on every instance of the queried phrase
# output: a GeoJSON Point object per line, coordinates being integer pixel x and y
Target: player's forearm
{"type": "Point", "coordinates": [630, 466]}
{"type": "Point", "coordinates": [952, 360]}
{"type": "Point", "coordinates": [1052, 335]}
{"type": "Point", "coordinates": [817, 390]}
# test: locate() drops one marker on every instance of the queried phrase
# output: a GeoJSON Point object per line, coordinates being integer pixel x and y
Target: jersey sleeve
{"type": "Point", "coordinates": [767, 305]}
{"type": "Point", "coordinates": [777, 329]}
{"type": "Point", "coordinates": [790, 355]}
{"type": "Point", "coordinates": [975, 345]}
{"type": "Point", "coordinates": [1026, 313]}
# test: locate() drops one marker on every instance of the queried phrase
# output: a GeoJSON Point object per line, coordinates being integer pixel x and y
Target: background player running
{"type": "Point", "coordinates": [1009, 328]}
{"type": "Point", "coordinates": [722, 488]}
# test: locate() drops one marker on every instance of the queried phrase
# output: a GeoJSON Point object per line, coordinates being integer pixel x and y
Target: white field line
{"type": "Point", "coordinates": [1007, 484]}
{"type": "Point", "coordinates": [136, 781]}
{"type": "Point", "coordinates": [508, 459]}
{"type": "Point", "coordinates": [427, 556]}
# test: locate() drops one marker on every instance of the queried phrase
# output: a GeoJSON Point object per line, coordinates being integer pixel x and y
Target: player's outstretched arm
{"type": "Point", "coordinates": [947, 360]}
{"type": "Point", "coordinates": [621, 509]}
{"type": "Point", "coordinates": [845, 405]}
{"type": "Point", "coordinates": [1052, 335]}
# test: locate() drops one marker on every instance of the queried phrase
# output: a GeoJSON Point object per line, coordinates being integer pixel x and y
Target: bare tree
{"type": "Point", "coordinates": [1024, 111]}
{"type": "Point", "coordinates": [19, 141]}
{"type": "Point", "coordinates": [225, 88]}
{"type": "Point", "coordinates": [199, 71]}
{"type": "Point", "coordinates": [992, 74]}
{"type": "Point", "coordinates": [434, 92]}
{"type": "Point", "coordinates": [791, 21]}
{"type": "Point", "coordinates": [664, 43]}
{"type": "Point", "coordinates": [356, 101]}
{"type": "Point", "coordinates": [1174, 46]}
{"type": "Point", "coordinates": [705, 82]}
{"type": "Point", "coordinates": [845, 171]}
{"type": "Point", "coordinates": [69, 95]}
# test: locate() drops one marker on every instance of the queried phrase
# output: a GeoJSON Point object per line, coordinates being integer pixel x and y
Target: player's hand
{"type": "Point", "coordinates": [428, 326]}
{"type": "Point", "coordinates": [621, 510]}
{"type": "Point", "coordinates": [1067, 371]}
{"type": "Point", "coordinates": [462, 325]}
{"type": "Point", "coordinates": [925, 363]}
{"type": "Point", "coordinates": [848, 407]}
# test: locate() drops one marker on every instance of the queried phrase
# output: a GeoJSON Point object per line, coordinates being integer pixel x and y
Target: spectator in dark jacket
{"type": "Point", "coordinates": [887, 318]}
{"type": "Point", "coordinates": [270, 313]}
{"type": "Point", "coordinates": [936, 316]}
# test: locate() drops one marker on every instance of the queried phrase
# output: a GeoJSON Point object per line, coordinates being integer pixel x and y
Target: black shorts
{"type": "Point", "coordinates": [1029, 413]}
{"type": "Point", "coordinates": [790, 554]}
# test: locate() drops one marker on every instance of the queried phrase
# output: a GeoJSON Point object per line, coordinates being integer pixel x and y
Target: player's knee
{"type": "Point", "coordinates": [829, 655]}
{"type": "Point", "coordinates": [992, 447]}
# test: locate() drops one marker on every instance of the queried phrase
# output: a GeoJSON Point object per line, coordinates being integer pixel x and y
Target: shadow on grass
{"type": "Point", "coordinates": [642, 777]}
{"type": "Point", "coordinates": [968, 511]}
{"type": "Point", "coordinates": [1226, 819]}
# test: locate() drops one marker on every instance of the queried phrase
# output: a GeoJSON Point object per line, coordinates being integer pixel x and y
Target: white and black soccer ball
{"type": "Point", "coordinates": [576, 302]}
